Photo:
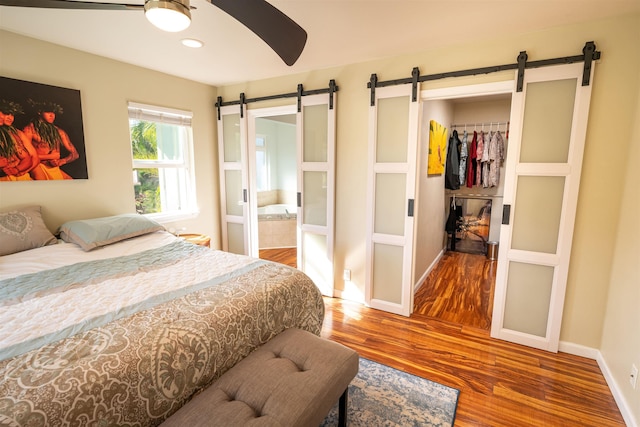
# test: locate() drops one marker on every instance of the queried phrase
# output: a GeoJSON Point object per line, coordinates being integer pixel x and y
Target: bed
{"type": "Point", "coordinates": [125, 332]}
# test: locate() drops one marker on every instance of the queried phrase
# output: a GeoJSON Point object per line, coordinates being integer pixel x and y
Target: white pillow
{"type": "Point", "coordinates": [92, 233]}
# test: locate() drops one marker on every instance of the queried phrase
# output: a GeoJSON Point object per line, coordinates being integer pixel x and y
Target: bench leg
{"type": "Point", "coordinates": [342, 408]}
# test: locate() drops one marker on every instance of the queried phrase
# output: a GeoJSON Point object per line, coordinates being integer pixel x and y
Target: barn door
{"type": "Point", "coordinates": [234, 181]}
{"type": "Point", "coordinates": [393, 134]}
{"type": "Point", "coordinates": [548, 127]}
{"type": "Point", "coordinates": [316, 189]}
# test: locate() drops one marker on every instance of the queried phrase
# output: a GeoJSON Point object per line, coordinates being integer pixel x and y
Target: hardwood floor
{"type": "Point", "coordinates": [459, 289]}
{"type": "Point", "coordinates": [501, 384]}
{"type": "Point", "coordinates": [447, 340]}
{"type": "Point", "coordinates": [287, 256]}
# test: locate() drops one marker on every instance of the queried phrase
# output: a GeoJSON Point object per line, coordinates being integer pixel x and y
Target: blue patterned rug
{"type": "Point", "coordinates": [383, 396]}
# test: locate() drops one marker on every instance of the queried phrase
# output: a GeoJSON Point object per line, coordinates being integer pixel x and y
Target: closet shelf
{"type": "Point", "coordinates": [490, 125]}
{"type": "Point", "coordinates": [450, 193]}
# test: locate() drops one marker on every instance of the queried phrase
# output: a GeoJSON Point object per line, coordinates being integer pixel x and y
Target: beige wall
{"type": "Point", "coordinates": [105, 88]}
{"type": "Point", "coordinates": [610, 134]}
{"type": "Point", "coordinates": [431, 208]}
{"type": "Point", "coordinates": [601, 309]}
{"type": "Point", "coordinates": [621, 335]}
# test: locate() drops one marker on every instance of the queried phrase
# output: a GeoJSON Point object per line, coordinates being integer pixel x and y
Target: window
{"type": "Point", "coordinates": [262, 170]}
{"type": "Point", "coordinates": [161, 145]}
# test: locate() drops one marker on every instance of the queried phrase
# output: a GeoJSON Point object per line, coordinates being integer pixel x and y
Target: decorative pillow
{"type": "Point", "coordinates": [23, 229]}
{"type": "Point", "coordinates": [93, 233]}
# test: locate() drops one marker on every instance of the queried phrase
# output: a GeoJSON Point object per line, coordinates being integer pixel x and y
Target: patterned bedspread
{"type": "Point", "coordinates": [126, 341]}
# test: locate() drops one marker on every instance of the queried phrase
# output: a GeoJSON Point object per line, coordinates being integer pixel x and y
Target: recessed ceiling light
{"type": "Point", "coordinates": [192, 43]}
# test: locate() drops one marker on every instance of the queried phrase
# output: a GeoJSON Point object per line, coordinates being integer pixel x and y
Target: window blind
{"type": "Point", "coordinates": [159, 114]}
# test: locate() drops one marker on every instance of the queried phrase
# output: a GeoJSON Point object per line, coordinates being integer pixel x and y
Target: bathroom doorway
{"type": "Point", "coordinates": [275, 172]}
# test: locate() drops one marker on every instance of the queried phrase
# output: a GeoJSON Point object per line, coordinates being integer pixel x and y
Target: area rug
{"type": "Point", "coordinates": [383, 396]}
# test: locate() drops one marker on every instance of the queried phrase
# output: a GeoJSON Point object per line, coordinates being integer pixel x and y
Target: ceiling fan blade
{"type": "Point", "coordinates": [68, 4]}
{"type": "Point", "coordinates": [279, 31]}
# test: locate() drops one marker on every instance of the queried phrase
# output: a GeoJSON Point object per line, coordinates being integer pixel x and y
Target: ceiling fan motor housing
{"type": "Point", "coordinates": [168, 15]}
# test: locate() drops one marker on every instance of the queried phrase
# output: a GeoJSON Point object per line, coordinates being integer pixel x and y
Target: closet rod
{"type": "Point", "coordinates": [461, 125]}
{"type": "Point", "coordinates": [469, 196]}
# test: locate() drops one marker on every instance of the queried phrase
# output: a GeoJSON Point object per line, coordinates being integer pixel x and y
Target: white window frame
{"type": "Point", "coordinates": [264, 149]}
{"type": "Point", "coordinates": [152, 113]}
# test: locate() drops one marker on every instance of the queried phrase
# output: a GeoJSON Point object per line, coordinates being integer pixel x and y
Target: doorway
{"type": "Point", "coordinates": [455, 279]}
{"type": "Point", "coordinates": [275, 171]}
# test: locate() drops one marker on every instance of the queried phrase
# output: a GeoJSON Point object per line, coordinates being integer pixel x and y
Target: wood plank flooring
{"type": "Point", "coordinates": [501, 384]}
{"type": "Point", "coordinates": [447, 340]}
{"type": "Point", "coordinates": [287, 256]}
{"type": "Point", "coordinates": [459, 289]}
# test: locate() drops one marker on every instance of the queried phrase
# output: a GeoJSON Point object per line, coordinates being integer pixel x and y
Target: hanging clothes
{"type": "Point", "coordinates": [496, 156]}
{"type": "Point", "coordinates": [485, 160]}
{"type": "Point", "coordinates": [471, 161]}
{"type": "Point", "coordinates": [452, 170]}
{"type": "Point", "coordinates": [464, 153]}
{"type": "Point", "coordinates": [479, 149]}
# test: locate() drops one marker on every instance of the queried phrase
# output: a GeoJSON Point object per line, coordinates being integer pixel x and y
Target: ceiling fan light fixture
{"type": "Point", "coordinates": [168, 15]}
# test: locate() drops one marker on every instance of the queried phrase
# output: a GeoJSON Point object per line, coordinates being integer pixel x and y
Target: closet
{"type": "Point", "coordinates": [535, 204]}
{"type": "Point", "coordinates": [478, 207]}
{"type": "Point", "coordinates": [478, 135]}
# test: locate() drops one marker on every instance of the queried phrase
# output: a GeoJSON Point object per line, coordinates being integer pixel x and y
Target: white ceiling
{"type": "Point", "coordinates": [339, 32]}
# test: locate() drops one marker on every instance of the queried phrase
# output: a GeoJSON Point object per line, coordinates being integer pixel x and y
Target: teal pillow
{"type": "Point", "coordinates": [93, 233]}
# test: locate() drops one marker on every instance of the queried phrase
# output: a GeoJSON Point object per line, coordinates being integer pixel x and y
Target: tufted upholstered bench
{"type": "Point", "coordinates": [293, 380]}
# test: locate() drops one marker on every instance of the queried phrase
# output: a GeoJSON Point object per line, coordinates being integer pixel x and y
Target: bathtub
{"type": "Point", "coordinates": [277, 212]}
{"type": "Point", "coordinates": [277, 226]}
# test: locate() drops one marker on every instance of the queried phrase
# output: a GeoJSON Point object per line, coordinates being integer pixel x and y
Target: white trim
{"type": "Point", "coordinates": [418, 284]}
{"type": "Point", "coordinates": [623, 405]}
{"type": "Point", "coordinates": [594, 354]}
{"type": "Point", "coordinates": [252, 208]}
{"type": "Point", "coordinates": [454, 92]}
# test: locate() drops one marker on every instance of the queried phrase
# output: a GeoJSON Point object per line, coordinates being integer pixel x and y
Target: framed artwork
{"type": "Point", "coordinates": [41, 133]}
{"type": "Point", "coordinates": [437, 148]}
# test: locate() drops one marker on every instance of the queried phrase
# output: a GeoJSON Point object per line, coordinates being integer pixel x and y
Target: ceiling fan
{"type": "Point", "coordinates": [275, 28]}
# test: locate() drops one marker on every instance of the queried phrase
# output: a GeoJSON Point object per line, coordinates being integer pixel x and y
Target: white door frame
{"type": "Point", "coordinates": [254, 114]}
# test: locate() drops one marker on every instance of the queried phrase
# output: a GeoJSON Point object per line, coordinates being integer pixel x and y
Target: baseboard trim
{"type": "Point", "coordinates": [422, 278]}
{"type": "Point", "coordinates": [594, 354]}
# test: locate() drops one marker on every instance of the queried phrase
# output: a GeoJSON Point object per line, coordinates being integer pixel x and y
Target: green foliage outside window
{"type": "Point", "coordinates": [144, 146]}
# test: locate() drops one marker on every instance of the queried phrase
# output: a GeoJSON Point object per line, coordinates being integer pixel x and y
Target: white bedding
{"type": "Point", "coordinates": [29, 320]}
{"type": "Point", "coordinates": [54, 256]}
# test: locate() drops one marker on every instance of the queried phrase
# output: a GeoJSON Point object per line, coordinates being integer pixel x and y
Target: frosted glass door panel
{"type": "Point", "coordinates": [231, 132]}
{"type": "Point", "coordinates": [528, 298]}
{"type": "Point", "coordinates": [315, 198]}
{"type": "Point", "coordinates": [392, 130]}
{"type": "Point", "coordinates": [536, 223]}
{"type": "Point", "coordinates": [233, 191]}
{"type": "Point", "coordinates": [235, 235]}
{"type": "Point", "coordinates": [387, 272]}
{"type": "Point", "coordinates": [390, 203]}
{"type": "Point", "coordinates": [546, 129]}
{"type": "Point", "coordinates": [315, 133]}
{"type": "Point", "coordinates": [316, 264]}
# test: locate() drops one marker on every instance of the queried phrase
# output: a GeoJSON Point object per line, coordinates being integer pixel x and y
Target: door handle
{"type": "Point", "coordinates": [506, 213]}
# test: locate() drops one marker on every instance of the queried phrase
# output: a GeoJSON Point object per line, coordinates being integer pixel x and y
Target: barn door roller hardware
{"type": "Point", "coordinates": [299, 93]}
{"type": "Point", "coordinates": [589, 54]}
